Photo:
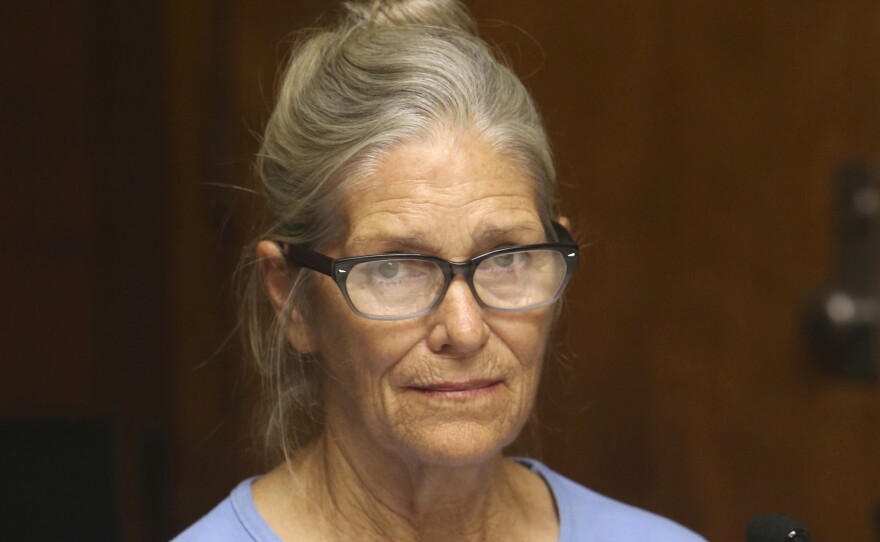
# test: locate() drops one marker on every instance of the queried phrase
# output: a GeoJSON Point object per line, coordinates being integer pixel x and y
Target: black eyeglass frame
{"type": "Point", "coordinates": [300, 256]}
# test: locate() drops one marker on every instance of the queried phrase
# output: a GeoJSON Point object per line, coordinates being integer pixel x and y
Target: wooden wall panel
{"type": "Point", "coordinates": [47, 324]}
{"type": "Point", "coordinates": [131, 245]}
{"type": "Point", "coordinates": [211, 450]}
{"type": "Point", "coordinates": [83, 234]}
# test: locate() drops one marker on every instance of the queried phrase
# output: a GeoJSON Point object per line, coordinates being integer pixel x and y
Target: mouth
{"type": "Point", "coordinates": [463, 389]}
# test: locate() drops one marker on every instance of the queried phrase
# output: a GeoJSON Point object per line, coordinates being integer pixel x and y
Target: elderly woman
{"type": "Point", "coordinates": [404, 295]}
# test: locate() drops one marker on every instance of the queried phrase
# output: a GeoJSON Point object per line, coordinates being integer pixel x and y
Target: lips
{"type": "Point", "coordinates": [458, 388]}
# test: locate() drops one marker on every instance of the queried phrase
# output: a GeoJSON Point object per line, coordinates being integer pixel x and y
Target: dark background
{"type": "Point", "coordinates": [696, 143]}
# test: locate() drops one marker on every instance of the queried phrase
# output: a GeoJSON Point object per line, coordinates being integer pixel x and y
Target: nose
{"type": "Point", "coordinates": [457, 325]}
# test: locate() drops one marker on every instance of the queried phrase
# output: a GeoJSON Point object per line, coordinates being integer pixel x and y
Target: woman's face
{"type": "Point", "coordinates": [456, 385]}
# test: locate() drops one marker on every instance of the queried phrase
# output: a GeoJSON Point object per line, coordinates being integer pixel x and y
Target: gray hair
{"type": "Point", "coordinates": [387, 73]}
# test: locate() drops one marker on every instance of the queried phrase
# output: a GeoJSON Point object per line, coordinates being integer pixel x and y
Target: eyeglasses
{"type": "Point", "coordinates": [399, 286]}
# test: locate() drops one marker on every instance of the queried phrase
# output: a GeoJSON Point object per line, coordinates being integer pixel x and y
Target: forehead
{"type": "Point", "coordinates": [442, 190]}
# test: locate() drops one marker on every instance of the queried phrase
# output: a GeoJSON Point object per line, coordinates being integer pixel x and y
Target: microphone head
{"type": "Point", "coordinates": [775, 528]}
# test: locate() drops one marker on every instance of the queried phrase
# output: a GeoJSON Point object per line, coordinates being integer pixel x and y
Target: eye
{"type": "Point", "coordinates": [511, 261]}
{"type": "Point", "coordinates": [504, 260]}
{"type": "Point", "coordinates": [388, 269]}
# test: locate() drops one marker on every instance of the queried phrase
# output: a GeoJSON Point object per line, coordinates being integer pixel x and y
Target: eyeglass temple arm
{"type": "Point", "coordinates": [303, 257]}
{"type": "Point", "coordinates": [561, 233]}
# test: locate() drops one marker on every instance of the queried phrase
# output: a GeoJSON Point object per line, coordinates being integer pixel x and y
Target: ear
{"type": "Point", "coordinates": [565, 222]}
{"type": "Point", "coordinates": [276, 277]}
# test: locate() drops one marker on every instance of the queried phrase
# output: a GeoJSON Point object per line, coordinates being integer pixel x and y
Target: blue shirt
{"type": "Point", "coordinates": [584, 516]}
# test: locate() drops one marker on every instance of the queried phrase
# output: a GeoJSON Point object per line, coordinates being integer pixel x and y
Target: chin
{"type": "Point", "coordinates": [451, 430]}
{"type": "Point", "coordinates": [460, 444]}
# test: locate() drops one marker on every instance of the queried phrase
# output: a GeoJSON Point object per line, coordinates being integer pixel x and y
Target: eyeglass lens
{"type": "Point", "coordinates": [509, 281]}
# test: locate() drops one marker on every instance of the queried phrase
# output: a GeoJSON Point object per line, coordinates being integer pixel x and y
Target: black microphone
{"type": "Point", "coordinates": [775, 528]}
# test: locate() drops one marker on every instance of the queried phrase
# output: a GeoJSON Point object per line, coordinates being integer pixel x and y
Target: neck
{"type": "Point", "coordinates": [368, 498]}
{"type": "Point", "coordinates": [335, 490]}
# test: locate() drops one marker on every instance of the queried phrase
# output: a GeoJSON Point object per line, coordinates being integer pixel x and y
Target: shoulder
{"type": "Point", "coordinates": [235, 519]}
{"type": "Point", "coordinates": [587, 515]}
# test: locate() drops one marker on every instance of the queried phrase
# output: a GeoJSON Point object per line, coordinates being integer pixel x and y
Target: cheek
{"type": "Point", "coordinates": [526, 339]}
{"type": "Point", "coordinates": [357, 352]}
{"type": "Point", "coordinates": [525, 335]}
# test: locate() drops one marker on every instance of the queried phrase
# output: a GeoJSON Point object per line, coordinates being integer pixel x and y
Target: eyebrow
{"type": "Point", "coordinates": [406, 243]}
{"type": "Point", "coordinates": [492, 234]}
{"type": "Point", "coordinates": [419, 244]}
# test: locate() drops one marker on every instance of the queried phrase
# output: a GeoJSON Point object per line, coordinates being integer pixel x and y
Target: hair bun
{"type": "Point", "coordinates": [439, 13]}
